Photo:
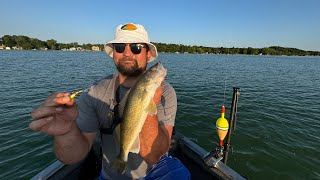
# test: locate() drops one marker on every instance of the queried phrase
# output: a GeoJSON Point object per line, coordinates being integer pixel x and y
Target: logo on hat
{"type": "Point", "coordinates": [129, 27]}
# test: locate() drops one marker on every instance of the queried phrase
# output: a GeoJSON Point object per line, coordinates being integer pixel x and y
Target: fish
{"type": "Point", "coordinates": [138, 105]}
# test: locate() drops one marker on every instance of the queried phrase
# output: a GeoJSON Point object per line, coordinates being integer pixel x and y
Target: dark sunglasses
{"type": "Point", "coordinates": [134, 47]}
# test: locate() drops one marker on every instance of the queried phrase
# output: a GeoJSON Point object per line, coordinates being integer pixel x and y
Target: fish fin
{"type": "Point", "coordinates": [123, 103]}
{"type": "Point", "coordinates": [119, 165]}
{"type": "Point", "coordinates": [135, 148]}
{"type": "Point", "coordinates": [117, 133]}
{"type": "Point", "coordinates": [152, 108]}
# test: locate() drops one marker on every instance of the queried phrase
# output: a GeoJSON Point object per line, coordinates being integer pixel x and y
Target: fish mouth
{"type": "Point", "coordinates": [158, 71]}
{"type": "Point", "coordinates": [158, 66]}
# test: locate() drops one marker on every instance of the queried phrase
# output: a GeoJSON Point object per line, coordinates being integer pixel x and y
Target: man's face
{"type": "Point", "coordinates": [131, 59]}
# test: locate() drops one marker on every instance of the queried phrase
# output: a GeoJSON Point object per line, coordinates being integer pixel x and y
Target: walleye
{"type": "Point", "coordinates": [138, 103]}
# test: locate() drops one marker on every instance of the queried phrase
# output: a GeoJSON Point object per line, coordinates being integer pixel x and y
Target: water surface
{"type": "Point", "coordinates": [277, 135]}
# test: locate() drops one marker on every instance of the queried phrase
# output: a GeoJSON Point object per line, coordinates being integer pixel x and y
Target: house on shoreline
{"type": "Point", "coordinates": [95, 48]}
{"type": "Point", "coordinates": [2, 47]}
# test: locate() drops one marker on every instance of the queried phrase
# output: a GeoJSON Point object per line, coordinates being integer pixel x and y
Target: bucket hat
{"type": "Point", "coordinates": [131, 33]}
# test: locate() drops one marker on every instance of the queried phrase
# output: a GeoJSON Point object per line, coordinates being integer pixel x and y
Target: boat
{"type": "Point", "coordinates": [200, 163]}
{"type": "Point", "coordinates": [189, 153]}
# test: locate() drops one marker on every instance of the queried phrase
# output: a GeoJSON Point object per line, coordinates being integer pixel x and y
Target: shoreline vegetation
{"type": "Point", "coordinates": [21, 42]}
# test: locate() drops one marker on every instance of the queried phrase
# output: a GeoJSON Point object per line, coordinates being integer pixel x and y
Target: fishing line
{"type": "Point", "coordinates": [225, 83]}
{"type": "Point", "coordinates": [225, 89]}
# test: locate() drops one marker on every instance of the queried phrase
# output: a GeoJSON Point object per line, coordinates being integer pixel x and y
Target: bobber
{"type": "Point", "coordinates": [222, 126]}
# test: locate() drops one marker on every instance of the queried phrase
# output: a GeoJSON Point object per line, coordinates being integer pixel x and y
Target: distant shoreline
{"type": "Point", "coordinates": [163, 53]}
{"type": "Point", "coordinates": [14, 42]}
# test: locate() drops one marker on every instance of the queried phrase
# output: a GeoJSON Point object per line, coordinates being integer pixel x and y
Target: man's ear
{"type": "Point", "coordinates": [149, 55]}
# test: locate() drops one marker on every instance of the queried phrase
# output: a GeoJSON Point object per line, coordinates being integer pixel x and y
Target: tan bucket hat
{"type": "Point", "coordinates": [131, 33]}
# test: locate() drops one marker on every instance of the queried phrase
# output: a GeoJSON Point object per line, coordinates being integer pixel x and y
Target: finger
{"type": "Point", "coordinates": [160, 89]}
{"type": "Point", "coordinates": [56, 99]}
{"type": "Point", "coordinates": [50, 99]}
{"type": "Point", "coordinates": [71, 103]}
{"type": "Point", "coordinates": [57, 94]}
{"type": "Point", "coordinates": [65, 100]}
{"type": "Point", "coordinates": [45, 111]}
{"type": "Point", "coordinates": [38, 124]}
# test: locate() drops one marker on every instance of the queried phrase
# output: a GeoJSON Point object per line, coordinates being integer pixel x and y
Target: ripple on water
{"type": "Point", "coordinates": [277, 121]}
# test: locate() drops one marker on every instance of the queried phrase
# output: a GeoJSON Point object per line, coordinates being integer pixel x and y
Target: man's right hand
{"type": "Point", "coordinates": [56, 115]}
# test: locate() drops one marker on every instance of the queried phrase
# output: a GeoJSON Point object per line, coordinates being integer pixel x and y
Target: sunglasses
{"type": "Point", "coordinates": [134, 47]}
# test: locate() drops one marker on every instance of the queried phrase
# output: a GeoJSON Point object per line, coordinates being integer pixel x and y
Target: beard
{"type": "Point", "coordinates": [131, 69]}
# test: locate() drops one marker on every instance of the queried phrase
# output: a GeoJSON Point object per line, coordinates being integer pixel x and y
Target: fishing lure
{"type": "Point", "coordinates": [73, 95]}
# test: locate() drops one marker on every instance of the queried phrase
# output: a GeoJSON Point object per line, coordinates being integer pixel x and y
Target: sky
{"type": "Point", "coordinates": [211, 23]}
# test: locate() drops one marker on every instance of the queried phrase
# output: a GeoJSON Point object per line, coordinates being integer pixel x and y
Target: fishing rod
{"type": "Point", "coordinates": [232, 122]}
{"type": "Point", "coordinates": [213, 157]}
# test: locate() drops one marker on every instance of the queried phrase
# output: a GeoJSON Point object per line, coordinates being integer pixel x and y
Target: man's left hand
{"type": "Point", "coordinates": [157, 95]}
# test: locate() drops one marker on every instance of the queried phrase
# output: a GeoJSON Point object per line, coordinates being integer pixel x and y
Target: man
{"type": "Point", "coordinates": [74, 127]}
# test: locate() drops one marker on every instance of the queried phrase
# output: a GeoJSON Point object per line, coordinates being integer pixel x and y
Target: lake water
{"type": "Point", "coordinates": [278, 123]}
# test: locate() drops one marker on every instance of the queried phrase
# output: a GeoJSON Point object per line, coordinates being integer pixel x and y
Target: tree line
{"type": "Point", "coordinates": [28, 43]}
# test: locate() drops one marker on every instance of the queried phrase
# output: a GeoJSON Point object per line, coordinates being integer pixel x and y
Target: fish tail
{"type": "Point", "coordinates": [119, 165]}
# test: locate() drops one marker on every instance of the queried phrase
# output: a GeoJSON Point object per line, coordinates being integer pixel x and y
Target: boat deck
{"type": "Point", "coordinates": [189, 153]}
